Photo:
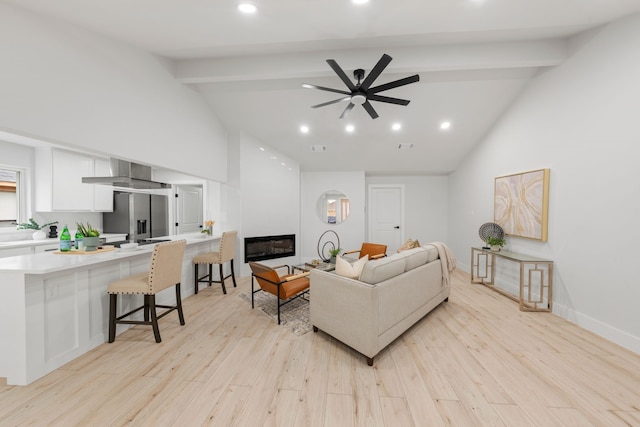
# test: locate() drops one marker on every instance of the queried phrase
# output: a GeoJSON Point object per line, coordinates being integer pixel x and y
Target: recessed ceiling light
{"type": "Point", "coordinates": [445, 125]}
{"type": "Point", "coordinates": [261, 149]}
{"type": "Point", "coordinates": [350, 128]}
{"type": "Point", "coordinates": [304, 129]}
{"type": "Point", "coordinates": [396, 126]}
{"type": "Point", "coordinates": [359, 1]}
{"type": "Point", "coordinates": [247, 8]}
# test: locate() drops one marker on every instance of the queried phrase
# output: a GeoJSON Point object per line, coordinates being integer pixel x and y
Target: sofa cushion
{"type": "Point", "coordinates": [347, 269]}
{"type": "Point", "coordinates": [414, 258]}
{"type": "Point", "coordinates": [379, 270]}
{"type": "Point", "coordinates": [433, 252]}
{"type": "Point", "coordinates": [409, 244]}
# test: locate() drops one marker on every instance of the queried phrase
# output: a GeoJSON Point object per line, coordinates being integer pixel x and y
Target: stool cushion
{"type": "Point", "coordinates": [208, 258]}
{"type": "Point", "coordinates": [136, 284]}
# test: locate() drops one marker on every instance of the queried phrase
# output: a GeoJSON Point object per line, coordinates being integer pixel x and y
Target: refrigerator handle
{"type": "Point", "coordinates": [142, 226]}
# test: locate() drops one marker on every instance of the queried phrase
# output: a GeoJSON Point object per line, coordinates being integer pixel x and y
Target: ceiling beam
{"type": "Point", "coordinates": [423, 59]}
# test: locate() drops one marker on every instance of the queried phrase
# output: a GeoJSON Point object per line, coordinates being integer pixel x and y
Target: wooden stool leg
{"type": "Point", "coordinates": [179, 304]}
{"type": "Point", "coordinates": [151, 300]}
{"type": "Point", "coordinates": [113, 302]}
{"type": "Point", "coordinates": [210, 273]}
{"type": "Point", "coordinates": [233, 275]}
{"type": "Point", "coordinates": [146, 310]}
{"type": "Point", "coordinates": [224, 290]}
{"type": "Point", "coordinates": [196, 281]}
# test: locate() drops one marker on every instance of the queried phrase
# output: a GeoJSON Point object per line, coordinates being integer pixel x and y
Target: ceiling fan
{"type": "Point", "coordinates": [362, 92]}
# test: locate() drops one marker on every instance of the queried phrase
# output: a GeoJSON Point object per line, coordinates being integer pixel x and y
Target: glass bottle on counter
{"type": "Point", "coordinates": [79, 240]}
{"type": "Point", "coordinates": [65, 240]}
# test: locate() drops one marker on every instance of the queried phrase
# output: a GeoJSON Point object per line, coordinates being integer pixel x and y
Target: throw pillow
{"type": "Point", "coordinates": [409, 244]}
{"type": "Point", "coordinates": [346, 269]}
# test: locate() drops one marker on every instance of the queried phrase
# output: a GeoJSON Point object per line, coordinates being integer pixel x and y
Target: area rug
{"type": "Point", "coordinates": [293, 315]}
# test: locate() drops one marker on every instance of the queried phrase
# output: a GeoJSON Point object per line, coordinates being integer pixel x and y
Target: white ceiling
{"type": "Point", "coordinates": [473, 58]}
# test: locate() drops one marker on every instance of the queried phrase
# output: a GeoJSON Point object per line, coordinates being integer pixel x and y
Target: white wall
{"type": "Point", "coordinates": [579, 120]}
{"type": "Point", "coordinates": [352, 230]}
{"type": "Point", "coordinates": [426, 215]}
{"type": "Point", "coordinates": [64, 85]}
{"type": "Point", "coordinates": [268, 194]}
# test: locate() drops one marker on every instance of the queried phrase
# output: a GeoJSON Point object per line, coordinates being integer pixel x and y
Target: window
{"type": "Point", "coordinates": [9, 197]}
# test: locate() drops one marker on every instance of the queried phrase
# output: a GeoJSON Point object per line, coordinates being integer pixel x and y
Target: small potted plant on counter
{"type": "Point", "coordinates": [495, 243]}
{"type": "Point", "coordinates": [38, 234]}
{"type": "Point", "coordinates": [90, 236]}
{"type": "Point", "coordinates": [208, 227]}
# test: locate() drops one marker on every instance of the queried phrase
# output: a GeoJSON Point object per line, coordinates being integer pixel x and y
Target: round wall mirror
{"type": "Point", "coordinates": [333, 207]}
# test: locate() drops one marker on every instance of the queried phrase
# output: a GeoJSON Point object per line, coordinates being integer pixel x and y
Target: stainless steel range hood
{"type": "Point", "coordinates": [128, 175]}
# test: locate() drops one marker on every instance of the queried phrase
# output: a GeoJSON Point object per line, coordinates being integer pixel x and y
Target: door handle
{"type": "Point", "coordinates": [397, 227]}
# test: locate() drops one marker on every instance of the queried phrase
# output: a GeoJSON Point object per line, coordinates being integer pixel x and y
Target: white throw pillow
{"type": "Point", "coordinates": [352, 271]}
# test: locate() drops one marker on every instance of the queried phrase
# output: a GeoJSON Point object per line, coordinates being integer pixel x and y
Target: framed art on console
{"type": "Point", "coordinates": [521, 204]}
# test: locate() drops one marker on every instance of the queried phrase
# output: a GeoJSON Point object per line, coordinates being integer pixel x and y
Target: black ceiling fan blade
{"type": "Point", "coordinates": [367, 106]}
{"type": "Point", "coordinates": [328, 89]}
{"type": "Point", "coordinates": [347, 110]}
{"type": "Point", "coordinates": [380, 98]}
{"type": "Point", "coordinates": [336, 68]}
{"type": "Point", "coordinates": [375, 72]}
{"type": "Point", "coordinates": [395, 83]}
{"type": "Point", "coordinates": [335, 101]}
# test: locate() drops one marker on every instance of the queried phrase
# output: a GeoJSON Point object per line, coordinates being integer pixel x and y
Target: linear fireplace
{"type": "Point", "coordinates": [269, 247]}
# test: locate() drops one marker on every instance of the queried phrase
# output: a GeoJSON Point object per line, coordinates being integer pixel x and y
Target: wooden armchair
{"type": "Point", "coordinates": [286, 288]}
{"type": "Point", "coordinates": [374, 251]}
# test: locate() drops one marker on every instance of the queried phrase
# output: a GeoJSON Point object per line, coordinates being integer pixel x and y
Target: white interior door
{"type": "Point", "coordinates": [188, 209]}
{"type": "Point", "coordinates": [386, 215]}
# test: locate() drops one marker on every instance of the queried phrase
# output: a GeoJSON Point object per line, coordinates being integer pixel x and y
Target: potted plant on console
{"type": "Point", "coordinates": [495, 243]}
{"type": "Point", "coordinates": [90, 236]}
{"type": "Point", "coordinates": [334, 253]}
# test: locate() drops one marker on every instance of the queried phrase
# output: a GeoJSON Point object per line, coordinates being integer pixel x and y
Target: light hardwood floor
{"type": "Point", "coordinates": [474, 361]}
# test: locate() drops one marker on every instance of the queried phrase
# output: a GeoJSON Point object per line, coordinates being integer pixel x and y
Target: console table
{"type": "Point", "coordinates": [536, 277]}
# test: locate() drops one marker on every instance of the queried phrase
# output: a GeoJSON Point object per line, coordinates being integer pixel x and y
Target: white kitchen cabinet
{"type": "Point", "coordinates": [102, 194]}
{"type": "Point", "coordinates": [7, 252]}
{"type": "Point", "coordinates": [59, 184]}
{"type": "Point", "coordinates": [46, 248]}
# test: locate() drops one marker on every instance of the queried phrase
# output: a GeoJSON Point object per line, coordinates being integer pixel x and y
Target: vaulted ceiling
{"type": "Point", "coordinates": [473, 56]}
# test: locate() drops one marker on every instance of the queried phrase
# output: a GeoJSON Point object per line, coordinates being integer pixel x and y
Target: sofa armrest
{"type": "Point", "coordinates": [346, 309]}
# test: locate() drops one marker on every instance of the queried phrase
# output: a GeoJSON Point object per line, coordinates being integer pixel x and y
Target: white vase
{"type": "Point", "coordinates": [39, 235]}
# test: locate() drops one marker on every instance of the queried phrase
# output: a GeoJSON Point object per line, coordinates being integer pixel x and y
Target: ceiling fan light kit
{"type": "Point", "coordinates": [361, 92]}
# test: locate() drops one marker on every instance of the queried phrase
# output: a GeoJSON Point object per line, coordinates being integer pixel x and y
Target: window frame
{"type": "Point", "coordinates": [22, 195]}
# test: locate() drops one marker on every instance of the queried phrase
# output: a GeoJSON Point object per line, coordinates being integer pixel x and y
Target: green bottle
{"type": "Point", "coordinates": [79, 240]}
{"type": "Point", "coordinates": [65, 240]}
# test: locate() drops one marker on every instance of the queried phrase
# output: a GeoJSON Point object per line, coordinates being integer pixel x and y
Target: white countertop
{"type": "Point", "coordinates": [49, 262]}
{"type": "Point", "coordinates": [31, 242]}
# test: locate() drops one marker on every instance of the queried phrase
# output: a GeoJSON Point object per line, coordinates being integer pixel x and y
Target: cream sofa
{"type": "Point", "coordinates": [391, 295]}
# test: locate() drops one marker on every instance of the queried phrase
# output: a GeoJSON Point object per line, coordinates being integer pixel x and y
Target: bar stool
{"type": "Point", "coordinates": [225, 253]}
{"type": "Point", "coordinates": [166, 271]}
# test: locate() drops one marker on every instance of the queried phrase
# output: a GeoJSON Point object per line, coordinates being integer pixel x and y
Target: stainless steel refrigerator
{"type": "Point", "coordinates": [139, 215]}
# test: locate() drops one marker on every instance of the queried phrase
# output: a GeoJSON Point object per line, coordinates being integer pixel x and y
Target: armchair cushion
{"type": "Point", "coordinates": [347, 269]}
{"type": "Point", "coordinates": [269, 280]}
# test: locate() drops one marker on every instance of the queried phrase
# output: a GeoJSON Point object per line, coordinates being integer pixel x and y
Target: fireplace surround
{"type": "Point", "coordinates": [261, 248]}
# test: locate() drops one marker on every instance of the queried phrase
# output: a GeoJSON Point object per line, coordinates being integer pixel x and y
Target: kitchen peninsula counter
{"type": "Point", "coordinates": [56, 305]}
